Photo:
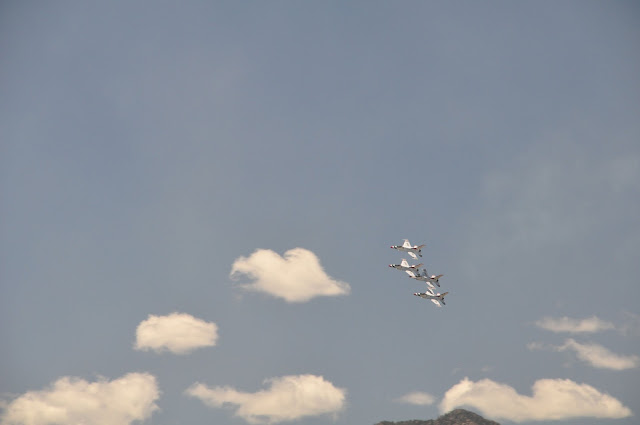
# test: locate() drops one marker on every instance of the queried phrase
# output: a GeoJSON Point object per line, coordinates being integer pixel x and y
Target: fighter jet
{"type": "Point", "coordinates": [424, 277]}
{"type": "Point", "coordinates": [412, 250]}
{"type": "Point", "coordinates": [413, 275]}
{"type": "Point", "coordinates": [435, 298]}
{"type": "Point", "coordinates": [405, 267]}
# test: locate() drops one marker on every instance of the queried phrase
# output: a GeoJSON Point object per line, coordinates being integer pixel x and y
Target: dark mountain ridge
{"type": "Point", "coordinates": [455, 417]}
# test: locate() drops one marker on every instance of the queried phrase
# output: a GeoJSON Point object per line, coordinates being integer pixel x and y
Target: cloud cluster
{"type": "Point", "coordinates": [296, 277]}
{"type": "Point", "coordinates": [418, 398]}
{"type": "Point", "coordinates": [565, 324]}
{"type": "Point", "coordinates": [75, 401]}
{"type": "Point", "coordinates": [594, 354]}
{"type": "Point", "coordinates": [552, 399]}
{"type": "Point", "coordinates": [287, 399]}
{"type": "Point", "coordinates": [179, 333]}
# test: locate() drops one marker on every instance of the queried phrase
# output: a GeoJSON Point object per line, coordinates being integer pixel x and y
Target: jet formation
{"type": "Point", "coordinates": [414, 273]}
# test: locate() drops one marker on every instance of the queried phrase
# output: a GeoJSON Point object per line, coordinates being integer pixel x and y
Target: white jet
{"type": "Point", "coordinates": [412, 275]}
{"type": "Point", "coordinates": [405, 267]}
{"type": "Point", "coordinates": [424, 277]}
{"type": "Point", "coordinates": [435, 298]}
{"type": "Point", "coordinates": [412, 250]}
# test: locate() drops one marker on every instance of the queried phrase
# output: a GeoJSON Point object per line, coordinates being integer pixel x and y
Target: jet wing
{"type": "Point", "coordinates": [436, 302]}
{"type": "Point", "coordinates": [406, 244]}
{"type": "Point", "coordinates": [410, 273]}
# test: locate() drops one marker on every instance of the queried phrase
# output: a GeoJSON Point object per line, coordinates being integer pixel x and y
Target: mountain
{"type": "Point", "coordinates": [455, 417]}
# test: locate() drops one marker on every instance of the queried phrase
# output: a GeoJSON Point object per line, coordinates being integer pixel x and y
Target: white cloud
{"type": "Point", "coordinates": [565, 324]}
{"type": "Point", "coordinates": [75, 401]}
{"type": "Point", "coordinates": [538, 346]}
{"type": "Point", "coordinates": [288, 398]}
{"type": "Point", "coordinates": [594, 354]}
{"type": "Point", "coordinates": [296, 277]}
{"type": "Point", "coordinates": [600, 357]}
{"type": "Point", "coordinates": [552, 399]}
{"type": "Point", "coordinates": [179, 333]}
{"type": "Point", "coordinates": [417, 398]}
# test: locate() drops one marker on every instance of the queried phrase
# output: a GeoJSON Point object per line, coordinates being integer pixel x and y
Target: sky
{"type": "Point", "coordinates": [197, 201]}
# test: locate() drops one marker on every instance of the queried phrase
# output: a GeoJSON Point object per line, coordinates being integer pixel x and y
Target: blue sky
{"type": "Point", "coordinates": [150, 150]}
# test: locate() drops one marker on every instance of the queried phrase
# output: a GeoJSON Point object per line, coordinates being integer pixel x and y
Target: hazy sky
{"type": "Point", "coordinates": [197, 201]}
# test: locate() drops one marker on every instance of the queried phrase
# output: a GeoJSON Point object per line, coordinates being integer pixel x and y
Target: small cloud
{"type": "Point", "coordinates": [631, 325]}
{"type": "Point", "coordinates": [552, 399]}
{"type": "Point", "coordinates": [566, 324]}
{"type": "Point", "coordinates": [594, 354]}
{"type": "Point", "coordinates": [600, 357]}
{"type": "Point", "coordinates": [288, 398]}
{"type": "Point", "coordinates": [418, 398]}
{"type": "Point", "coordinates": [539, 346]}
{"type": "Point", "coordinates": [75, 401]}
{"type": "Point", "coordinates": [295, 277]}
{"type": "Point", "coordinates": [179, 333]}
